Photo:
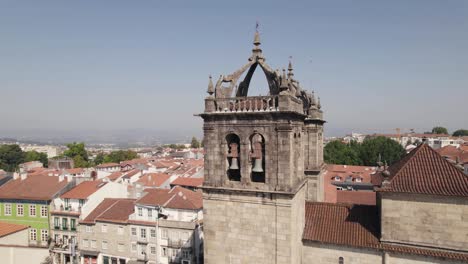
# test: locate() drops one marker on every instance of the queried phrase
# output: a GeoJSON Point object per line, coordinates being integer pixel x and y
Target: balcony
{"type": "Point", "coordinates": [176, 243]}
{"type": "Point", "coordinates": [142, 239]}
{"type": "Point", "coordinates": [272, 103]}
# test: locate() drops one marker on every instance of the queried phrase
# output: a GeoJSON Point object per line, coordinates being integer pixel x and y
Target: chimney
{"type": "Point", "coordinates": [61, 178]}
{"type": "Point", "coordinates": [24, 175]}
{"type": "Point", "coordinates": [16, 176]}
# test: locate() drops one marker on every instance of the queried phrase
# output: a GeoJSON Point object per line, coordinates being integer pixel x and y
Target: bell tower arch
{"type": "Point", "coordinates": [263, 156]}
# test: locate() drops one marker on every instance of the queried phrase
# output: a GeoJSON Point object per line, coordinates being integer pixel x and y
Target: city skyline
{"type": "Point", "coordinates": [146, 66]}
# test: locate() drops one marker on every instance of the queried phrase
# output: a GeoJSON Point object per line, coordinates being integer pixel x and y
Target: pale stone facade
{"type": "Point", "coordinates": [330, 254]}
{"type": "Point", "coordinates": [427, 220]}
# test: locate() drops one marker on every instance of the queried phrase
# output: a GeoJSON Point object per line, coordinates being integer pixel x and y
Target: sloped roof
{"type": "Point", "coordinates": [108, 165]}
{"type": "Point", "coordinates": [83, 190]}
{"type": "Point", "coordinates": [176, 198]}
{"type": "Point", "coordinates": [115, 175]}
{"type": "Point", "coordinates": [111, 210]}
{"type": "Point", "coordinates": [424, 171]}
{"type": "Point", "coordinates": [37, 187]}
{"type": "Point", "coordinates": [153, 179]}
{"type": "Point", "coordinates": [8, 228]}
{"type": "Point", "coordinates": [188, 181]}
{"type": "Point", "coordinates": [342, 224]}
{"type": "Point", "coordinates": [353, 197]}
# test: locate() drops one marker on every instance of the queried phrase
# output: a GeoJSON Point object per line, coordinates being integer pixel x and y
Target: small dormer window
{"type": "Point", "coordinates": [358, 179]}
{"type": "Point", "coordinates": [337, 178]}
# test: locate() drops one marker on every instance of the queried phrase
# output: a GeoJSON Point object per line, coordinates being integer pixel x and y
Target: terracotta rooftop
{"type": "Point", "coordinates": [8, 229]}
{"type": "Point", "coordinates": [342, 224]}
{"type": "Point", "coordinates": [353, 197]}
{"type": "Point", "coordinates": [75, 170]}
{"type": "Point", "coordinates": [115, 175]}
{"type": "Point", "coordinates": [37, 187]}
{"type": "Point", "coordinates": [176, 198]}
{"type": "Point", "coordinates": [108, 165]}
{"type": "Point", "coordinates": [131, 173]}
{"type": "Point", "coordinates": [424, 171]}
{"type": "Point", "coordinates": [83, 190]}
{"type": "Point", "coordinates": [111, 210]}
{"type": "Point", "coordinates": [154, 179]}
{"type": "Point", "coordinates": [357, 226]}
{"type": "Point", "coordinates": [186, 181]}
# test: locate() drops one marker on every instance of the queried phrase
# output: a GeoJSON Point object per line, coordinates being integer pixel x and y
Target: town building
{"type": "Point", "coordinates": [61, 163]}
{"type": "Point", "coordinates": [105, 233]}
{"type": "Point", "coordinates": [349, 184]}
{"type": "Point", "coordinates": [27, 201]}
{"type": "Point", "coordinates": [70, 207]}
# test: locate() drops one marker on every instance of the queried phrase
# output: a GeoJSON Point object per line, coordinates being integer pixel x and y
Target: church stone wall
{"type": "Point", "coordinates": [425, 220]}
{"type": "Point", "coordinates": [412, 259]}
{"type": "Point", "coordinates": [330, 254]}
{"type": "Point", "coordinates": [256, 228]}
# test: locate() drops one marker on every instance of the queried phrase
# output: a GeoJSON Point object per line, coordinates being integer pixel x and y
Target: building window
{"type": "Point", "coordinates": [85, 243]}
{"type": "Point", "coordinates": [89, 229]}
{"type": "Point", "coordinates": [185, 236]}
{"type": "Point", "coordinates": [134, 247]}
{"type": "Point", "coordinates": [64, 223]}
{"type": "Point", "coordinates": [120, 231]}
{"type": "Point", "coordinates": [153, 250]}
{"type": "Point", "coordinates": [153, 232]}
{"type": "Point", "coordinates": [44, 234]}
{"type": "Point", "coordinates": [134, 231]}
{"type": "Point", "coordinates": [120, 247]}
{"type": "Point", "coordinates": [44, 211]}
{"type": "Point", "coordinates": [140, 211]}
{"type": "Point", "coordinates": [104, 244]}
{"type": "Point", "coordinates": [164, 233]}
{"type": "Point", "coordinates": [185, 254]}
{"type": "Point", "coordinates": [164, 251]}
{"type": "Point", "coordinates": [73, 224]}
{"type": "Point", "coordinates": [93, 244]}
{"type": "Point", "coordinates": [81, 202]}
{"type": "Point", "coordinates": [150, 213]}
{"type": "Point", "coordinates": [32, 210]}
{"type": "Point", "coordinates": [257, 156]}
{"type": "Point", "coordinates": [233, 157]}
{"type": "Point", "coordinates": [7, 209]}
{"type": "Point", "coordinates": [19, 210]}
{"type": "Point", "coordinates": [104, 228]}
{"type": "Point", "coordinates": [33, 234]}
{"type": "Point", "coordinates": [143, 232]}
{"type": "Point", "coordinates": [56, 222]}
{"type": "Point", "coordinates": [340, 260]}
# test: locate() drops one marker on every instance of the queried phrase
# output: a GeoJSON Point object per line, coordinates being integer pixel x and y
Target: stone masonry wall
{"type": "Point", "coordinates": [330, 254]}
{"type": "Point", "coordinates": [425, 220]}
{"type": "Point", "coordinates": [411, 259]}
{"type": "Point", "coordinates": [256, 228]}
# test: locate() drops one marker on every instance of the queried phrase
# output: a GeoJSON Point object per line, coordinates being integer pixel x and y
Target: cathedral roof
{"type": "Point", "coordinates": [424, 171]}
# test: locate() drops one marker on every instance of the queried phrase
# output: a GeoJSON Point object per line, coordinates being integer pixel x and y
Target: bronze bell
{"type": "Point", "coordinates": [257, 165]}
{"type": "Point", "coordinates": [234, 164]}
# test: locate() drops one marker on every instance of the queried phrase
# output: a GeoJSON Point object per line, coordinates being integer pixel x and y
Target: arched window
{"type": "Point", "coordinates": [340, 260]}
{"type": "Point", "coordinates": [257, 156]}
{"type": "Point", "coordinates": [233, 157]}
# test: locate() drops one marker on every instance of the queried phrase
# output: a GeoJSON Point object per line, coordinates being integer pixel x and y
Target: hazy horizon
{"type": "Point", "coordinates": [118, 66]}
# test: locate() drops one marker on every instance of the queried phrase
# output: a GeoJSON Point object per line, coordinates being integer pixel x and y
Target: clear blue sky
{"type": "Point", "coordinates": [114, 65]}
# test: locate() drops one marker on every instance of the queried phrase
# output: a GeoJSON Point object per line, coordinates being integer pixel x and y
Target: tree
{"type": "Point", "coordinates": [10, 157]}
{"type": "Point", "coordinates": [460, 133]}
{"type": "Point", "coordinates": [120, 155]}
{"type": "Point", "coordinates": [99, 159]}
{"type": "Point", "coordinates": [337, 152]}
{"type": "Point", "coordinates": [78, 153]}
{"type": "Point", "coordinates": [388, 149]}
{"type": "Point", "coordinates": [439, 130]}
{"type": "Point", "coordinates": [195, 143]}
{"type": "Point", "coordinates": [34, 155]}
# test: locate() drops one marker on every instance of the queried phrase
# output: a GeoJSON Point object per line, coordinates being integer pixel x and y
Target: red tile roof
{"type": "Point", "coordinates": [83, 190]}
{"type": "Point", "coordinates": [8, 229]}
{"type": "Point", "coordinates": [37, 187]}
{"type": "Point", "coordinates": [357, 226]}
{"type": "Point", "coordinates": [115, 175]}
{"type": "Point", "coordinates": [191, 182]}
{"type": "Point", "coordinates": [154, 179]}
{"type": "Point", "coordinates": [342, 224]}
{"type": "Point", "coordinates": [108, 165]}
{"type": "Point", "coordinates": [424, 171]}
{"type": "Point", "coordinates": [176, 198]}
{"type": "Point", "coordinates": [75, 171]}
{"type": "Point", "coordinates": [111, 210]}
{"type": "Point", "coordinates": [356, 197]}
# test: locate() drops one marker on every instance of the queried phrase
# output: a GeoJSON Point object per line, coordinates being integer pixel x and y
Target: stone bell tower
{"type": "Point", "coordinates": [262, 158]}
